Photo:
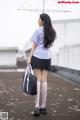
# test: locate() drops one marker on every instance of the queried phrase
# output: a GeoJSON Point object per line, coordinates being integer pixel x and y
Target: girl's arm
{"type": "Point", "coordinates": [31, 53]}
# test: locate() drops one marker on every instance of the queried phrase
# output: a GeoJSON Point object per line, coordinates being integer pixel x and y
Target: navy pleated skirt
{"type": "Point", "coordinates": [40, 63]}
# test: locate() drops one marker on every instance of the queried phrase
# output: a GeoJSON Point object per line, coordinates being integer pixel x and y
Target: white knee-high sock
{"type": "Point", "coordinates": [38, 94]}
{"type": "Point", "coordinates": [44, 93]}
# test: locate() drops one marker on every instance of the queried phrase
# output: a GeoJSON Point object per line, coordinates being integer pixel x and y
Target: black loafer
{"type": "Point", "coordinates": [43, 110]}
{"type": "Point", "coordinates": [36, 112]}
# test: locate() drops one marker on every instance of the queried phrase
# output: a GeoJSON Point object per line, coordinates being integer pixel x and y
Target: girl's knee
{"type": "Point", "coordinates": [44, 80]}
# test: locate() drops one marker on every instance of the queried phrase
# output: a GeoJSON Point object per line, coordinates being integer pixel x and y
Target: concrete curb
{"type": "Point", "coordinates": [70, 74]}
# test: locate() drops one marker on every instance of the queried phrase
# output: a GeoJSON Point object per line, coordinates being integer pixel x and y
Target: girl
{"type": "Point", "coordinates": [40, 60]}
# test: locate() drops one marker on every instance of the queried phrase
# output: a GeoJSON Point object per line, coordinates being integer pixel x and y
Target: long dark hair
{"type": "Point", "coordinates": [49, 32]}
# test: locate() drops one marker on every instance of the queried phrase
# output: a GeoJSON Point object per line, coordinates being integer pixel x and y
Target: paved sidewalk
{"type": "Point", "coordinates": [63, 98]}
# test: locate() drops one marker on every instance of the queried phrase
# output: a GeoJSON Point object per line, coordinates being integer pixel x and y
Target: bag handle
{"type": "Point", "coordinates": [30, 69]}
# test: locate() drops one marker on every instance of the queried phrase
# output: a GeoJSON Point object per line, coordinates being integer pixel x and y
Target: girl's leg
{"type": "Point", "coordinates": [44, 87]}
{"type": "Point", "coordinates": [37, 72]}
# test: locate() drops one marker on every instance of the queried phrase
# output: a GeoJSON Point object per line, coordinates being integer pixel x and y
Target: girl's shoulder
{"type": "Point", "coordinates": [39, 29]}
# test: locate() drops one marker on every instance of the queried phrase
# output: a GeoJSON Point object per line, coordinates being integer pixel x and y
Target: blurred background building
{"type": "Point", "coordinates": [8, 57]}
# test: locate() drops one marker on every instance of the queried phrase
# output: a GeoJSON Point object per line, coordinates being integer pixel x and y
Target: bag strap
{"type": "Point", "coordinates": [29, 68]}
